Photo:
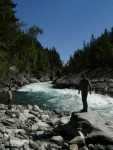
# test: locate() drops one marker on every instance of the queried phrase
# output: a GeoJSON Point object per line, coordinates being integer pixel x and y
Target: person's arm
{"type": "Point", "coordinates": [7, 95]}
{"type": "Point", "coordinates": [90, 88]}
{"type": "Point", "coordinates": [79, 88]}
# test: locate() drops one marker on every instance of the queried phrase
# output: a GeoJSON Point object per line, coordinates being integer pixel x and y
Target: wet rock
{"type": "Point", "coordinates": [33, 80]}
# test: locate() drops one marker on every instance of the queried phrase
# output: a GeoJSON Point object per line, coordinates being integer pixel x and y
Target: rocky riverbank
{"type": "Point", "coordinates": [101, 79]}
{"type": "Point", "coordinates": [18, 79]}
{"type": "Point", "coordinates": [31, 128]}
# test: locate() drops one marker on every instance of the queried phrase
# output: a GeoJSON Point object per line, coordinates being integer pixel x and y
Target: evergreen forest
{"type": "Point", "coordinates": [21, 48]}
{"type": "Point", "coordinates": [98, 53]}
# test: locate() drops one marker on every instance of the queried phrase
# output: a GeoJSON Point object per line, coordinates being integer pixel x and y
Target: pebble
{"type": "Point", "coordinates": [30, 128]}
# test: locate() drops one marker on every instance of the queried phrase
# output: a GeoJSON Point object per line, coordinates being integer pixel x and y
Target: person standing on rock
{"type": "Point", "coordinates": [84, 87]}
{"type": "Point", "coordinates": [9, 97]}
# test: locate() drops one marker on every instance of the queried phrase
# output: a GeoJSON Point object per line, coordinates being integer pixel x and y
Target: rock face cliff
{"type": "Point", "coordinates": [31, 128]}
{"type": "Point", "coordinates": [101, 79]}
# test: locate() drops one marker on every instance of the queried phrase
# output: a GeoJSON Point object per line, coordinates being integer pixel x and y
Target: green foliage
{"type": "Point", "coordinates": [97, 53]}
{"type": "Point", "coordinates": [22, 49]}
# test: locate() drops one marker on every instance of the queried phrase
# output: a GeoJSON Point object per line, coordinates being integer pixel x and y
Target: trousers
{"type": "Point", "coordinates": [84, 100]}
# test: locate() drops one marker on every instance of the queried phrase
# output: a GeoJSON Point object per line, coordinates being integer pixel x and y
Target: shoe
{"type": "Point", "coordinates": [83, 110]}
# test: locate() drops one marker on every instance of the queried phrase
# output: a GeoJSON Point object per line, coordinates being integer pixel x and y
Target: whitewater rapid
{"type": "Point", "coordinates": [65, 99]}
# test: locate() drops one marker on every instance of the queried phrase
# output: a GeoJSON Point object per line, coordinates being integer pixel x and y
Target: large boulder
{"type": "Point", "coordinates": [33, 80]}
{"type": "Point", "coordinates": [95, 127]}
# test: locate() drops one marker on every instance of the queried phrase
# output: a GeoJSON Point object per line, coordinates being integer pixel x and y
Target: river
{"type": "Point", "coordinates": [47, 97]}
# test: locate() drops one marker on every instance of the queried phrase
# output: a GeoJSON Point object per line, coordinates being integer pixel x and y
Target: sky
{"type": "Point", "coordinates": [66, 23]}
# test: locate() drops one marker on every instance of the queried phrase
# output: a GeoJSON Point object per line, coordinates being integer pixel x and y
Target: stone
{"type": "Point", "coordinates": [39, 133]}
{"type": "Point", "coordinates": [16, 112]}
{"type": "Point", "coordinates": [36, 108]}
{"type": "Point", "coordinates": [6, 144]}
{"type": "Point", "coordinates": [30, 107]}
{"type": "Point", "coordinates": [13, 116]}
{"type": "Point", "coordinates": [1, 135]}
{"type": "Point", "coordinates": [16, 142]}
{"type": "Point", "coordinates": [6, 123]}
{"type": "Point", "coordinates": [2, 147]}
{"type": "Point", "coordinates": [26, 146]}
{"type": "Point", "coordinates": [53, 146]}
{"type": "Point", "coordinates": [4, 140]}
{"type": "Point", "coordinates": [33, 80]}
{"type": "Point", "coordinates": [9, 131]}
{"type": "Point", "coordinates": [86, 148]}
{"type": "Point", "coordinates": [40, 126]}
{"type": "Point", "coordinates": [34, 113]}
{"type": "Point", "coordinates": [10, 120]}
{"type": "Point", "coordinates": [99, 137]}
{"type": "Point", "coordinates": [101, 147]}
{"type": "Point", "coordinates": [91, 146]}
{"type": "Point", "coordinates": [33, 145]}
{"type": "Point", "coordinates": [64, 120]}
{"type": "Point", "coordinates": [57, 139]}
{"type": "Point", "coordinates": [2, 107]}
{"type": "Point", "coordinates": [6, 135]}
{"type": "Point", "coordinates": [44, 117]}
{"type": "Point", "coordinates": [2, 129]}
{"type": "Point", "coordinates": [109, 147]}
{"type": "Point", "coordinates": [54, 121]}
{"type": "Point", "coordinates": [77, 140]}
{"type": "Point", "coordinates": [43, 146]}
{"type": "Point", "coordinates": [73, 147]}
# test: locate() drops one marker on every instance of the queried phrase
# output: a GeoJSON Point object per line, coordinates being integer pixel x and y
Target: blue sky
{"type": "Point", "coordinates": [66, 23]}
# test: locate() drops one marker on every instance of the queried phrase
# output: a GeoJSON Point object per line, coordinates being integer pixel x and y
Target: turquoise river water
{"type": "Point", "coordinates": [47, 97]}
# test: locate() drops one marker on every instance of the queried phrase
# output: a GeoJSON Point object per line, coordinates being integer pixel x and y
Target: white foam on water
{"type": "Point", "coordinates": [69, 99]}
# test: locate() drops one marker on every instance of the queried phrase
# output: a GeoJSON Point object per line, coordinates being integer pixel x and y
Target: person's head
{"type": "Point", "coordinates": [83, 76]}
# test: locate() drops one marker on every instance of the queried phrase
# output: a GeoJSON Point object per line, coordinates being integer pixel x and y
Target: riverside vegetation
{"type": "Point", "coordinates": [21, 49]}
